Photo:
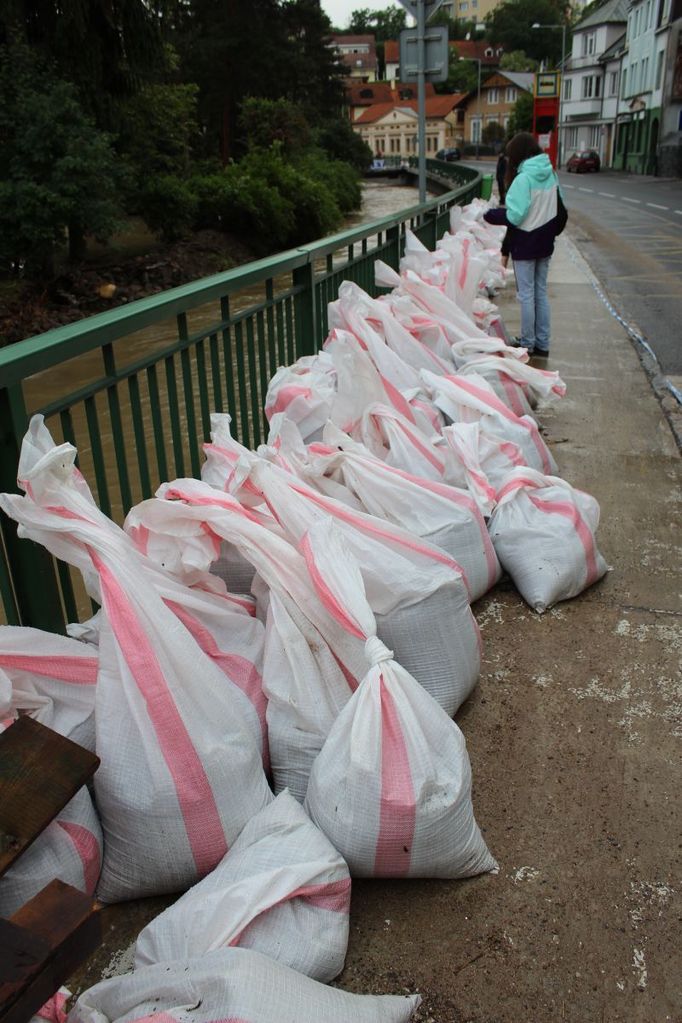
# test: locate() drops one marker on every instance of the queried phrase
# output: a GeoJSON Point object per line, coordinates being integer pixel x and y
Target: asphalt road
{"type": "Point", "coordinates": [629, 228]}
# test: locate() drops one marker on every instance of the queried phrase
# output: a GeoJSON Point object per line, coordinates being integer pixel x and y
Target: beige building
{"type": "Point", "coordinates": [499, 93]}
{"type": "Point", "coordinates": [390, 129]}
{"type": "Point", "coordinates": [358, 56]}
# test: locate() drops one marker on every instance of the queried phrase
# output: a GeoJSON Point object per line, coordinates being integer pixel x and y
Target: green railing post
{"type": "Point", "coordinates": [393, 239]}
{"type": "Point", "coordinates": [31, 568]}
{"type": "Point", "coordinates": [304, 310]}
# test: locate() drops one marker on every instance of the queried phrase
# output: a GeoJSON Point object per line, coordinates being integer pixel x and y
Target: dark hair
{"type": "Point", "coordinates": [520, 148]}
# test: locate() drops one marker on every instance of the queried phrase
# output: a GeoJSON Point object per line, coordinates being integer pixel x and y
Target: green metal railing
{"type": "Point", "coordinates": [133, 389]}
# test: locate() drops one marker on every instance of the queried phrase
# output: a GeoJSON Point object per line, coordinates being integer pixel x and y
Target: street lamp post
{"type": "Point", "coordinates": [561, 90]}
{"type": "Point", "coordinates": [478, 100]}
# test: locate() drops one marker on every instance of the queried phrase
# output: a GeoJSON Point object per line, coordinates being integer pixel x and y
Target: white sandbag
{"type": "Point", "coordinates": [52, 678]}
{"type": "Point", "coordinates": [519, 385]}
{"type": "Point", "coordinates": [232, 985]}
{"type": "Point", "coordinates": [282, 890]}
{"type": "Point", "coordinates": [544, 533]}
{"type": "Point", "coordinates": [68, 850]}
{"type": "Point", "coordinates": [391, 787]}
{"type": "Point", "coordinates": [304, 392]}
{"type": "Point", "coordinates": [181, 772]}
{"type": "Point", "coordinates": [398, 442]}
{"type": "Point", "coordinates": [310, 665]}
{"type": "Point", "coordinates": [484, 460]}
{"type": "Point", "coordinates": [445, 516]}
{"type": "Point", "coordinates": [356, 311]}
{"type": "Point", "coordinates": [416, 590]}
{"type": "Point", "coordinates": [471, 399]}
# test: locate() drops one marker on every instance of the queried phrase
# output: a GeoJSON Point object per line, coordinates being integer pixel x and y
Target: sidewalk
{"type": "Point", "coordinates": [574, 735]}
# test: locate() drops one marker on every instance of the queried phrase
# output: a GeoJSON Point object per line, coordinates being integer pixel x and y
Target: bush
{"type": "Point", "coordinates": [168, 206]}
{"type": "Point", "coordinates": [237, 202]}
{"type": "Point", "coordinates": [339, 177]}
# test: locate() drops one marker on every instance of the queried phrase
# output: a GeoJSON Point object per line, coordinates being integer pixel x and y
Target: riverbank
{"type": "Point", "coordinates": [136, 264]}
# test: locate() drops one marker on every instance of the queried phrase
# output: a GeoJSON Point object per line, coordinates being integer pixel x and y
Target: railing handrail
{"type": "Point", "coordinates": [42, 351]}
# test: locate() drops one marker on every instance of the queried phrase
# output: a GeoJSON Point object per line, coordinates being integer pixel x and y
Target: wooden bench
{"type": "Point", "coordinates": [44, 942]}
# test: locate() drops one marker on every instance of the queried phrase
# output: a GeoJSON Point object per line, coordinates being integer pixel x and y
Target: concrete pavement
{"type": "Point", "coordinates": [574, 736]}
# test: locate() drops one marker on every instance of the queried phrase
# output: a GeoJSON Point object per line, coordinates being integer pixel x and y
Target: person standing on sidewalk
{"type": "Point", "coordinates": [534, 214]}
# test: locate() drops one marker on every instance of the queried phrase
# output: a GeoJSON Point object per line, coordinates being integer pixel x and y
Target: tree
{"type": "Point", "coordinates": [517, 60]}
{"type": "Point", "coordinates": [493, 133]}
{"type": "Point", "coordinates": [510, 24]}
{"type": "Point", "coordinates": [384, 25]}
{"type": "Point", "coordinates": [338, 139]}
{"type": "Point", "coordinates": [57, 171]}
{"type": "Point", "coordinates": [159, 130]}
{"type": "Point", "coordinates": [521, 118]}
{"type": "Point", "coordinates": [107, 48]}
{"type": "Point", "coordinates": [268, 121]}
{"type": "Point", "coordinates": [462, 74]}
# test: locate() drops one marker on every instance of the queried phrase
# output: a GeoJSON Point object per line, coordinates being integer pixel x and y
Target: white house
{"type": "Point", "coordinates": [590, 85]}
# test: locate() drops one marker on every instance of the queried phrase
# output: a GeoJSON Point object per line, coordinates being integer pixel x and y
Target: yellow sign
{"type": "Point", "coordinates": [547, 83]}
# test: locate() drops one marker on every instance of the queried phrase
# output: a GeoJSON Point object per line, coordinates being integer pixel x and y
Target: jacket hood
{"type": "Point", "coordinates": [539, 168]}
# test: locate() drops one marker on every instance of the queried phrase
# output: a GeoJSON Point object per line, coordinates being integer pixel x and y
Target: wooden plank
{"type": "Point", "coordinates": [47, 939]}
{"type": "Point", "coordinates": [40, 771]}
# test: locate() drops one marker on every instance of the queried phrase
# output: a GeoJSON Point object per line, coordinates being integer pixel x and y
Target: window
{"type": "Point", "coordinates": [505, 121]}
{"type": "Point", "coordinates": [406, 94]}
{"type": "Point", "coordinates": [659, 70]}
{"type": "Point", "coordinates": [475, 129]}
{"type": "Point", "coordinates": [510, 94]}
{"type": "Point", "coordinates": [645, 74]}
{"type": "Point", "coordinates": [591, 42]}
{"type": "Point", "coordinates": [464, 6]}
{"type": "Point", "coordinates": [369, 94]}
{"type": "Point", "coordinates": [633, 77]}
{"type": "Point", "coordinates": [613, 83]}
{"type": "Point", "coordinates": [489, 52]}
{"type": "Point", "coordinates": [591, 87]}
{"type": "Point", "coordinates": [474, 3]}
{"type": "Point", "coordinates": [493, 96]}
{"type": "Point", "coordinates": [624, 82]}
{"type": "Point", "coordinates": [571, 138]}
{"type": "Point", "coordinates": [647, 22]}
{"type": "Point", "coordinates": [595, 132]}
{"type": "Point", "coordinates": [568, 87]}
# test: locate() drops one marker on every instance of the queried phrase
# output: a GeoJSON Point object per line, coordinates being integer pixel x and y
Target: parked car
{"type": "Point", "coordinates": [585, 160]}
{"type": "Point", "coordinates": [449, 155]}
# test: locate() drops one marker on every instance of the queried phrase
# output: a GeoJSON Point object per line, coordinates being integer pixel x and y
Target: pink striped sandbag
{"type": "Point", "coordinates": [391, 787]}
{"type": "Point", "coordinates": [543, 530]}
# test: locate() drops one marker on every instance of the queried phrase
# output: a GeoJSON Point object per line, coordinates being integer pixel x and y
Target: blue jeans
{"type": "Point", "coordinates": [531, 287]}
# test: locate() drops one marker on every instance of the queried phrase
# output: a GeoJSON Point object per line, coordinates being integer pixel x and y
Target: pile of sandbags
{"type": "Point", "coordinates": [281, 646]}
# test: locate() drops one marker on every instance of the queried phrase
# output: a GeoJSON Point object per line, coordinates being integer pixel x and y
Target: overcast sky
{"type": "Point", "coordinates": [339, 11]}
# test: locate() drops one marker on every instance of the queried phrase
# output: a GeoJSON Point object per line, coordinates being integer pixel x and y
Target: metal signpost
{"type": "Point", "coordinates": [424, 56]}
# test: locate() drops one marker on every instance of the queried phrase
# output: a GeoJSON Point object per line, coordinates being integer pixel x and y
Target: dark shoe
{"type": "Point", "coordinates": [518, 342]}
{"type": "Point", "coordinates": [541, 353]}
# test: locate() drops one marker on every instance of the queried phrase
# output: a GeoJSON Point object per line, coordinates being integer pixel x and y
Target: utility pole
{"type": "Point", "coordinates": [421, 97]}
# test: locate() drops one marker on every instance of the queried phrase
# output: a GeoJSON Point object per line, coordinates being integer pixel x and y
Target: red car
{"type": "Point", "coordinates": [585, 160]}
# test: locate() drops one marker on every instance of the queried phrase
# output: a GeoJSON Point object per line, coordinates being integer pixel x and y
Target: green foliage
{"type": "Point", "coordinates": [383, 25]}
{"type": "Point", "coordinates": [510, 24]}
{"type": "Point", "coordinates": [106, 49]}
{"type": "Point", "coordinates": [339, 178]}
{"type": "Point", "coordinates": [338, 139]}
{"type": "Point", "coordinates": [168, 206]}
{"type": "Point", "coordinates": [267, 121]}
{"type": "Point", "coordinates": [462, 74]}
{"type": "Point", "coordinates": [517, 60]}
{"type": "Point", "coordinates": [521, 118]}
{"type": "Point", "coordinates": [57, 172]}
{"type": "Point", "coordinates": [493, 133]}
{"type": "Point", "coordinates": [160, 130]}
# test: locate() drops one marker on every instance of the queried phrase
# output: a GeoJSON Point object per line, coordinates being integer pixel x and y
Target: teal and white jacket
{"type": "Point", "coordinates": [534, 212]}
